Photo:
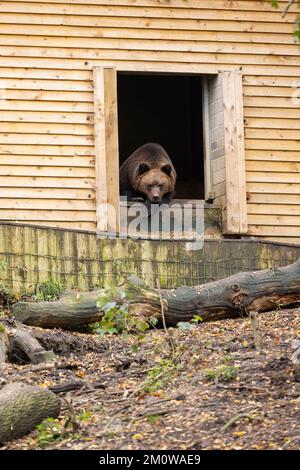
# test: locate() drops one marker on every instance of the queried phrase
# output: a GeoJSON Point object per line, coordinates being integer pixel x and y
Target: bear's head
{"type": "Point", "coordinates": [154, 183]}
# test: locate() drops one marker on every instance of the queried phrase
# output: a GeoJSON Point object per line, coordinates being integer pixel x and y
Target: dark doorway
{"type": "Point", "coordinates": [166, 109]}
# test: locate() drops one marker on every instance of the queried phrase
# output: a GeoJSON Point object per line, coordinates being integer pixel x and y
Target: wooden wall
{"type": "Point", "coordinates": [47, 51]}
{"type": "Point", "coordinates": [31, 255]}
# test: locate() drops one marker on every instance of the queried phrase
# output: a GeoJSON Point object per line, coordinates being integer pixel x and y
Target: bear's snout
{"type": "Point", "coordinates": [155, 194]}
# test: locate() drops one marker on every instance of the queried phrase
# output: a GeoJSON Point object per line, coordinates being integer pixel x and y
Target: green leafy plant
{"type": "Point", "coordinates": [275, 4]}
{"type": "Point", "coordinates": [223, 373]}
{"type": "Point", "coordinates": [153, 419]}
{"type": "Point", "coordinates": [85, 415]}
{"type": "Point", "coordinates": [117, 318]}
{"type": "Point", "coordinates": [227, 359]}
{"type": "Point", "coordinates": [49, 431]}
{"type": "Point", "coordinates": [160, 375]}
{"type": "Point", "coordinates": [48, 290]}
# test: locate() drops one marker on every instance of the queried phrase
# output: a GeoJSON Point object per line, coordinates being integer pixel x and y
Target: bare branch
{"type": "Point", "coordinates": [285, 11]}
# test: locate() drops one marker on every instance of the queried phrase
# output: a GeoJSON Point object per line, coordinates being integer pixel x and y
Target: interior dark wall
{"type": "Point", "coordinates": [165, 109]}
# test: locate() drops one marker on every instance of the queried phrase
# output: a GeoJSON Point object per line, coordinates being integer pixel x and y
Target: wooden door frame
{"type": "Point", "coordinates": [107, 150]}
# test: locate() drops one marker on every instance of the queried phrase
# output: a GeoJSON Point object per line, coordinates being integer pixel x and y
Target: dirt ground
{"type": "Point", "coordinates": [214, 391]}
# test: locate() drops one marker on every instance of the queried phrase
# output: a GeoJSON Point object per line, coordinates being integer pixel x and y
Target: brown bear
{"type": "Point", "coordinates": [148, 174]}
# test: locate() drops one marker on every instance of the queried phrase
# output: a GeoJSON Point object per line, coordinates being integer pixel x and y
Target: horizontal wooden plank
{"type": "Point", "coordinates": [64, 150]}
{"type": "Point", "coordinates": [59, 106]}
{"type": "Point", "coordinates": [276, 230]}
{"type": "Point", "coordinates": [201, 34]}
{"type": "Point", "coordinates": [270, 91]}
{"type": "Point", "coordinates": [149, 55]}
{"type": "Point", "coordinates": [51, 215]}
{"type": "Point", "coordinates": [51, 95]}
{"type": "Point", "coordinates": [38, 84]}
{"type": "Point", "coordinates": [100, 43]}
{"type": "Point", "coordinates": [147, 66]}
{"type": "Point", "coordinates": [260, 144]}
{"type": "Point", "coordinates": [274, 209]}
{"type": "Point", "coordinates": [196, 4]}
{"type": "Point", "coordinates": [45, 74]}
{"type": "Point", "coordinates": [272, 134]}
{"type": "Point", "coordinates": [272, 188]}
{"type": "Point", "coordinates": [272, 123]}
{"type": "Point", "coordinates": [271, 166]}
{"type": "Point", "coordinates": [47, 128]}
{"type": "Point", "coordinates": [48, 204]}
{"type": "Point", "coordinates": [278, 113]}
{"type": "Point", "coordinates": [47, 117]}
{"type": "Point", "coordinates": [270, 81]}
{"type": "Point", "coordinates": [274, 199]}
{"type": "Point", "coordinates": [45, 182]}
{"type": "Point", "coordinates": [211, 21]}
{"type": "Point", "coordinates": [268, 177]}
{"type": "Point", "coordinates": [271, 155]}
{"type": "Point", "coordinates": [137, 11]}
{"type": "Point", "coordinates": [31, 193]}
{"type": "Point", "coordinates": [271, 102]}
{"type": "Point", "coordinates": [54, 160]}
{"type": "Point", "coordinates": [34, 139]}
{"type": "Point", "coordinates": [47, 171]}
{"type": "Point", "coordinates": [275, 220]}
{"type": "Point", "coordinates": [292, 240]}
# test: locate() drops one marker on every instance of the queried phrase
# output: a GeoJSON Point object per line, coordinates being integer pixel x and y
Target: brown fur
{"type": "Point", "coordinates": [148, 173]}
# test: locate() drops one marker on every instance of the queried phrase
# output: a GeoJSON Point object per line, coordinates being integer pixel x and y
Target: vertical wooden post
{"type": "Point", "coordinates": [235, 220]}
{"type": "Point", "coordinates": [106, 149]}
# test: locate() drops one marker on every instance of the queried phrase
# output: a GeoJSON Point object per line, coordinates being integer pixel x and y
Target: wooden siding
{"type": "Point", "coordinates": [48, 50]}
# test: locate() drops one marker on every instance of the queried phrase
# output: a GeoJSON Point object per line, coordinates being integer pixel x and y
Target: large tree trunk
{"type": "Point", "coordinates": [22, 407]}
{"type": "Point", "coordinates": [233, 296]}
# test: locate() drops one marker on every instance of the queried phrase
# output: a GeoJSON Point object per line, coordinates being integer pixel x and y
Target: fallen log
{"type": "Point", "coordinates": [234, 296]}
{"type": "Point", "coordinates": [31, 347]}
{"type": "Point", "coordinates": [22, 407]}
{"type": "Point", "coordinates": [14, 338]}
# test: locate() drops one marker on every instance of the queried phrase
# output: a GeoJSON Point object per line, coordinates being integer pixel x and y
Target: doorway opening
{"type": "Point", "coordinates": [166, 109]}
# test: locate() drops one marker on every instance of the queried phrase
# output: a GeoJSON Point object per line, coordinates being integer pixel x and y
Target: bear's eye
{"type": "Point", "coordinates": [149, 186]}
{"type": "Point", "coordinates": [160, 186]}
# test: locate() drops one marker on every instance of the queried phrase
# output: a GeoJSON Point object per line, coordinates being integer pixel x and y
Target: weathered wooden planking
{"type": "Point", "coordinates": [273, 166]}
{"type": "Point", "coordinates": [102, 44]}
{"type": "Point", "coordinates": [139, 11]}
{"type": "Point", "coordinates": [149, 55]}
{"type": "Point", "coordinates": [214, 4]}
{"type": "Point", "coordinates": [78, 259]}
{"type": "Point", "coordinates": [236, 210]}
{"type": "Point", "coordinates": [44, 66]}
{"type": "Point", "coordinates": [106, 149]}
{"type": "Point", "coordinates": [201, 34]}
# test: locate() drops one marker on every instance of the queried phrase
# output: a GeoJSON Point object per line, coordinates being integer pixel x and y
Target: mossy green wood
{"type": "Point", "coordinates": [79, 260]}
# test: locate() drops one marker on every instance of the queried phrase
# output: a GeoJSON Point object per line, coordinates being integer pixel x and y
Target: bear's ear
{"type": "Point", "coordinates": [143, 168]}
{"type": "Point", "coordinates": [167, 169]}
